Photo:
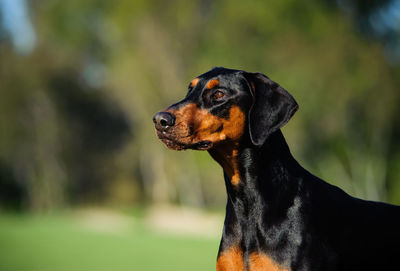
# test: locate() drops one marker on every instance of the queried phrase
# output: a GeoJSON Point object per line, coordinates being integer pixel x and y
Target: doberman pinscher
{"type": "Point", "coordinates": [278, 215]}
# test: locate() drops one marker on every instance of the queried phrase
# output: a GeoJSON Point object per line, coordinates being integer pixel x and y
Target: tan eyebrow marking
{"type": "Point", "coordinates": [194, 82]}
{"type": "Point", "coordinates": [212, 83]}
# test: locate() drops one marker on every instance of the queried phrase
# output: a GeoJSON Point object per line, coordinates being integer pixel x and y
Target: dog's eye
{"type": "Point", "coordinates": [217, 95]}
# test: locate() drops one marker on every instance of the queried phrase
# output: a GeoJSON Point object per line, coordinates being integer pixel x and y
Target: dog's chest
{"type": "Point", "coordinates": [253, 244]}
{"type": "Point", "coordinates": [234, 260]}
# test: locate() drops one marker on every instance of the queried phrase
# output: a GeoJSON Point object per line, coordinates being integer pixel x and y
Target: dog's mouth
{"type": "Point", "coordinates": [178, 144]}
{"type": "Point", "coordinates": [202, 145]}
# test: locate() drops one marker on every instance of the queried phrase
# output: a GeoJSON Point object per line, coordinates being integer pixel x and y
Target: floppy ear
{"type": "Point", "coordinates": [272, 107]}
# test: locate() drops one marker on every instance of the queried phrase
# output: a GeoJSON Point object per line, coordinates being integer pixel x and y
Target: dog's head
{"type": "Point", "coordinates": [224, 105]}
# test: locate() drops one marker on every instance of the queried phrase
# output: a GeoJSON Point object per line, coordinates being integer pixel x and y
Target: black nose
{"type": "Point", "coordinates": [164, 120]}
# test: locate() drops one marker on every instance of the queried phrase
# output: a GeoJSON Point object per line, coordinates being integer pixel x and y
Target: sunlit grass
{"type": "Point", "coordinates": [69, 242]}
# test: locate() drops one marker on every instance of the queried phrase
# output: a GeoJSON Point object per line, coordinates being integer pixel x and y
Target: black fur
{"type": "Point", "coordinates": [272, 108]}
{"type": "Point", "coordinates": [280, 209]}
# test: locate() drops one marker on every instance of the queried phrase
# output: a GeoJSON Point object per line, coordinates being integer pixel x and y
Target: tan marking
{"type": "Point", "coordinates": [235, 179]}
{"type": "Point", "coordinates": [194, 82]}
{"type": "Point", "coordinates": [212, 83]}
{"type": "Point", "coordinates": [206, 126]}
{"type": "Point", "coordinates": [258, 262]}
{"type": "Point", "coordinates": [226, 153]}
{"type": "Point", "coordinates": [231, 260]}
{"type": "Point", "coordinates": [226, 156]}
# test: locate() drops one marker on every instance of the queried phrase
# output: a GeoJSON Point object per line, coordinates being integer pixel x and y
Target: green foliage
{"type": "Point", "coordinates": [75, 115]}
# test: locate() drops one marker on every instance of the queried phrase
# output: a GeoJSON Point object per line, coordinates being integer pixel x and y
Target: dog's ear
{"type": "Point", "coordinates": [272, 107]}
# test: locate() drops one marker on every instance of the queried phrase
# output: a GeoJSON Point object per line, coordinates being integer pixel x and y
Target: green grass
{"type": "Point", "coordinates": [61, 242]}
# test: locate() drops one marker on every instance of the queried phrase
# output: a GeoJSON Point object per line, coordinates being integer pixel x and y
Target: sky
{"type": "Point", "coordinates": [16, 21]}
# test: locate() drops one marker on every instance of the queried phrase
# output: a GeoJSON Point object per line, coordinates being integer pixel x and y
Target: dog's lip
{"type": "Point", "coordinates": [201, 145]}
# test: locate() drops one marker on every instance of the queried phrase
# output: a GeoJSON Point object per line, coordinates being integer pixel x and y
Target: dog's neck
{"type": "Point", "coordinates": [258, 174]}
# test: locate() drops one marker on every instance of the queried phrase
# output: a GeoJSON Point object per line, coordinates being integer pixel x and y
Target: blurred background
{"type": "Point", "coordinates": [84, 182]}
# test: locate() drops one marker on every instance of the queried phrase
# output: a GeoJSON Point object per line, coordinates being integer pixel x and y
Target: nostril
{"type": "Point", "coordinates": [163, 122]}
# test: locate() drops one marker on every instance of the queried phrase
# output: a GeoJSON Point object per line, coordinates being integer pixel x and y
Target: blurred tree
{"type": "Point", "coordinates": [58, 133]}
{"type": "Point", "coordinates": [379, 20]}
{"type": "Point", "coordinates": [93, 129]}
{"type": "Point", "coordinates": [101, 69]}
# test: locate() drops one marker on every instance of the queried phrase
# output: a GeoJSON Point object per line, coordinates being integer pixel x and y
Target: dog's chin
{"type": "Point", "coordinates": [173, 145]}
